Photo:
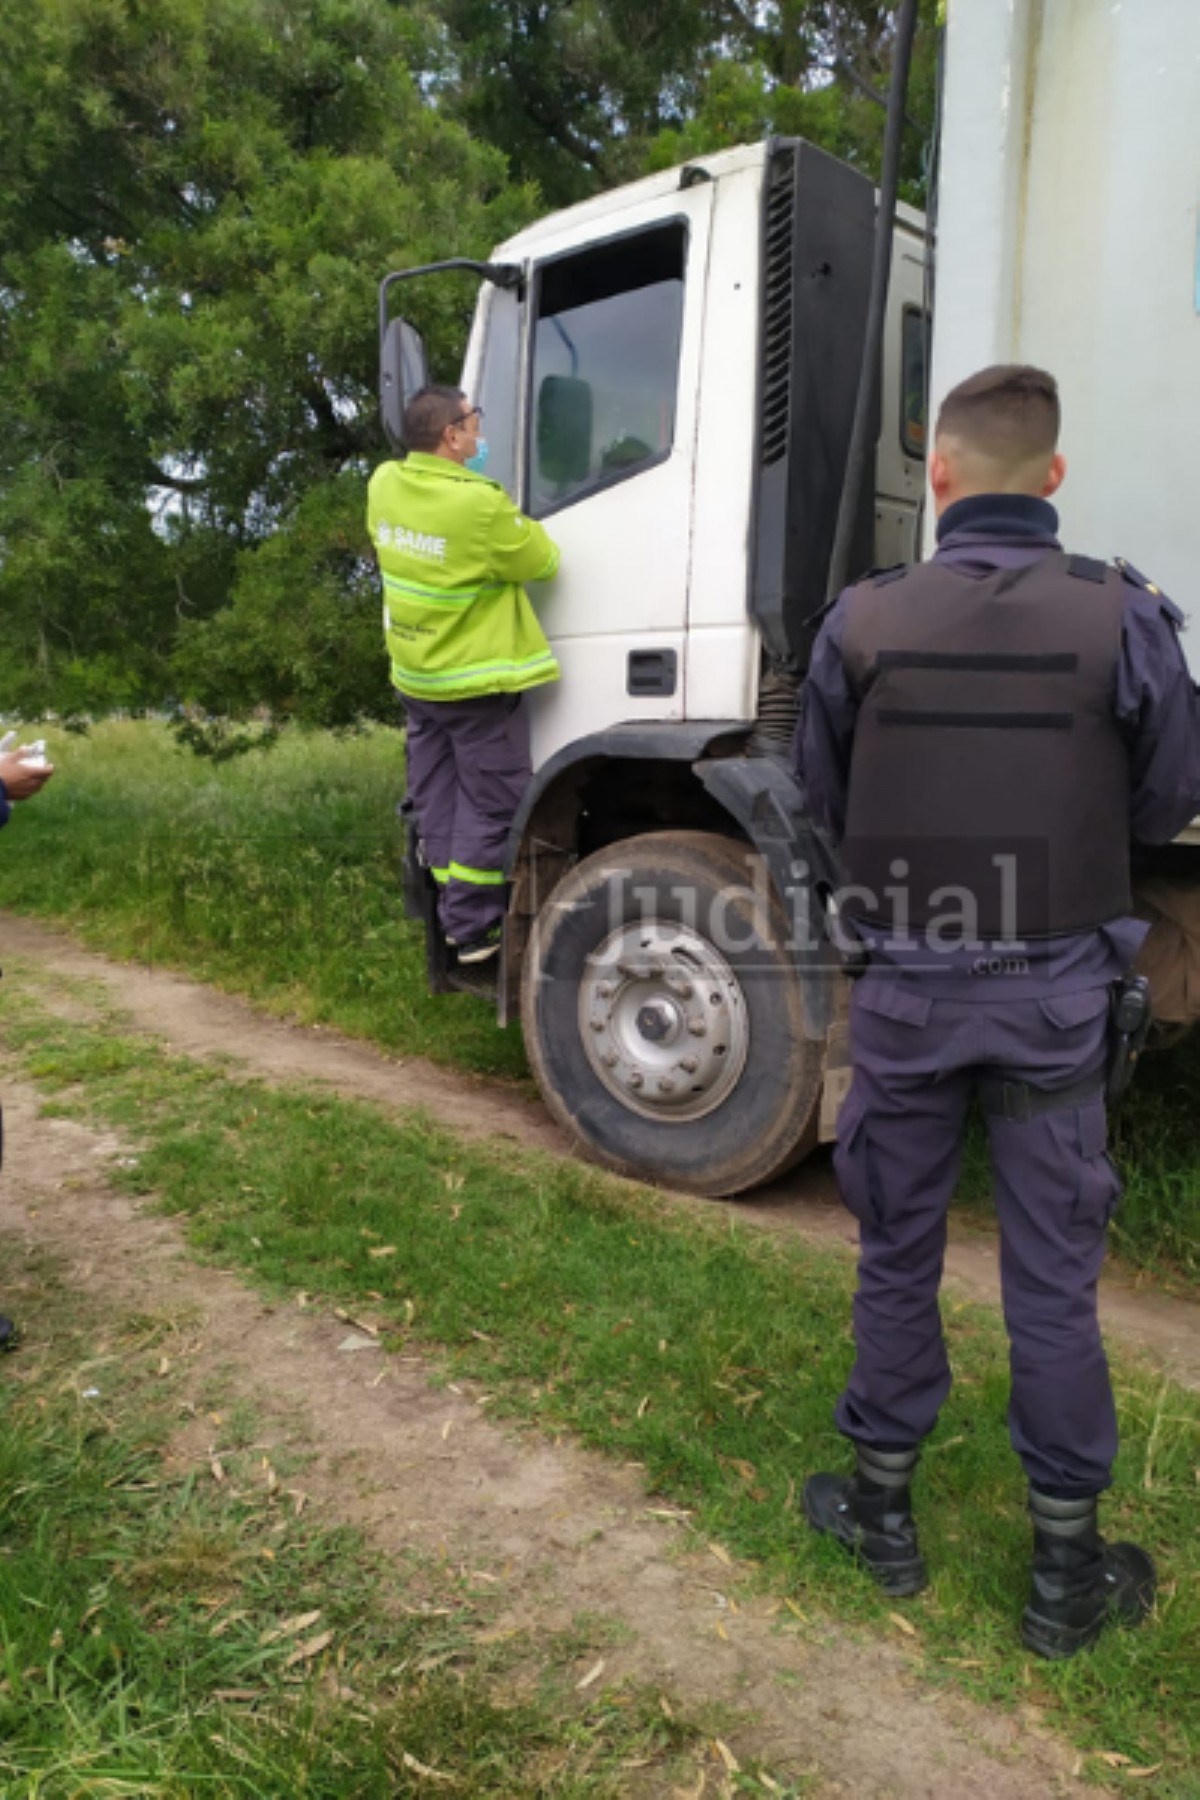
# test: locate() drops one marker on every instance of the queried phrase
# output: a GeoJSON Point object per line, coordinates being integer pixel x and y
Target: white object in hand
{"type": "Point", "coordinates": [7, 742]}
{"type": "Point", "coordinates": [34, 755]}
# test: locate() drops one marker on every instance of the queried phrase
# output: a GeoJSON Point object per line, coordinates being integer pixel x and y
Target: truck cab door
{"type": "Point", "coordinates": [607, 458]}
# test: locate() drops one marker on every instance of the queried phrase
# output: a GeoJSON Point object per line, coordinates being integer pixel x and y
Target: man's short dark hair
{"type": "Point", "coordinates": [428, 413]}
{"type": "Point", "coordinates": [1009, 413]}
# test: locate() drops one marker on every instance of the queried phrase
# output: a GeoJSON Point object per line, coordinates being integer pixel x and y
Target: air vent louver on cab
{"type": "Point", "coordinates": [777, 307]}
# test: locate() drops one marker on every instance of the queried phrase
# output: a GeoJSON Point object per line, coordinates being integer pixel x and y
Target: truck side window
{"type": "Point", "coordinates": [914, 373]}
{"type": "Point", "coordinates": [605, 365]}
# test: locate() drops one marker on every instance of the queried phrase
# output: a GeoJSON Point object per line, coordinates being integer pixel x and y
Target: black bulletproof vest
{"type": "Point", "coordinates": [989, 781]}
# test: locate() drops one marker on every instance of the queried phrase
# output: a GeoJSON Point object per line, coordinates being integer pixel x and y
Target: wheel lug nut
{"type": "Point", "coordinates": [666, 1086]}
{"type": "Point", "coordinates": [698, 1027]}
{"type": "Point", "coordinates": [636, 1081]}
{"type": "Point", "coordinates": [605, 990]}
{"type": "Point", "coordinates": [689, 1064]}
{"type": "Point", "coordinates": [596, 1024]}
{"type": "Point", "coordinates": [610, 1059]}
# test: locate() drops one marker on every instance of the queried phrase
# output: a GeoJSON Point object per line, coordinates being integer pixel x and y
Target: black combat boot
{"type": "Point", "coordinates": [1080, 1583]}
{"type": "Point", "coordinates": [870, 1512]}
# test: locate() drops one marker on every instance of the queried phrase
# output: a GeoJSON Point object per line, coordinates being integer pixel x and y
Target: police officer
{"type": "Point", "coordinates": [464, 644]}
{"type": "Point", "coordinates": [21, 777]}
{"type": "Point", "coordinates": [984, 734]}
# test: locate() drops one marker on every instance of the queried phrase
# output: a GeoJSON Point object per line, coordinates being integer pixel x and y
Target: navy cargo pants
{"type": "Point", "coordinates": [468, 767]}
{"type": "Point", "coordinates": [916, 1060]}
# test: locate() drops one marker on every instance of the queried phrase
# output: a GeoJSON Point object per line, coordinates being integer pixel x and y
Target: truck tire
{"type": "Point", "coordinates": [662, 1015]}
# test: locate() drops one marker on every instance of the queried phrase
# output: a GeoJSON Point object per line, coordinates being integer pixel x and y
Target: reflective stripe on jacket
{"type": "Point", "coordinates": [453, 552]}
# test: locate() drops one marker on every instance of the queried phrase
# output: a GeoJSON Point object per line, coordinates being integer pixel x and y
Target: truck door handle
{"type": "Point", "coordinates": [652, 672]}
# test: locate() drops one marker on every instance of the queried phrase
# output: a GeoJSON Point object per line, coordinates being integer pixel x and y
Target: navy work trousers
{"type": "Point", "coordinates": [468, 767]}
{"type": "Point", "coordinates": [916, 1059]}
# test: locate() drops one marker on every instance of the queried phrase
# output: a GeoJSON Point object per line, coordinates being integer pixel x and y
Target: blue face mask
{"type": "Point", "coordinates": [478, 463]}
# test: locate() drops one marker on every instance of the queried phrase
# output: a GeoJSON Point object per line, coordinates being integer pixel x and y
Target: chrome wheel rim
{"type": "Point", "coordinates": [664, 1021]}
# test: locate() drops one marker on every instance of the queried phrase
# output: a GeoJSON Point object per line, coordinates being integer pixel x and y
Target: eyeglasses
{"type": "Point", "coordinates": [475, 412]}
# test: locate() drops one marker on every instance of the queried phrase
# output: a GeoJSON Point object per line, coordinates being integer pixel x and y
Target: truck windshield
{"type": "Point", "coordinates": [498, 384]}
{"type": "Point", "coordinates": [605, 365]}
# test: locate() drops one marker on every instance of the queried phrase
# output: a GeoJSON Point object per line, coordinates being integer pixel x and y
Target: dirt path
{"type": "Point", "coordinates": [202, 1021]}
{"type": "Point", "coordinates": [559, 1530]}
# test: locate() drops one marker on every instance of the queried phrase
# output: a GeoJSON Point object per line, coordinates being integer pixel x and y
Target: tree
{"type": "Point", "coordinates": [199, 199]}
{"type": "Point", "coordinates": [582, 94]}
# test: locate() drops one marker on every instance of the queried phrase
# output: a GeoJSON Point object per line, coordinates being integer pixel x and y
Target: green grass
{"type": "Point", "coordinates": [277, 876]}
{"type": "Point", "coordinates": [151, 1619]}
{"type": "Point", "coordinates": [708, 1354]}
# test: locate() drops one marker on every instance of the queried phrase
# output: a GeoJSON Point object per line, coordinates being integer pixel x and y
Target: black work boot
{"type": "Point", "coordinates": [1080, 1583]}
{"type": "Point", "coordinates": [870, 1512]}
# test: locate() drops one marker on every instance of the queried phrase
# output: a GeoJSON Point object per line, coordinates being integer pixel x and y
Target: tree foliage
{"type": "Point", "coordinates": [198, 200]}
{"type": "Point", "coordinates": [582, 94]}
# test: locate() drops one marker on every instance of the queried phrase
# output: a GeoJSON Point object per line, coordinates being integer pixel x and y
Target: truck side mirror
{"type": "Point", "coordinates": [403, 371]}
{"type": "Point", "coordinates": [564, 430]}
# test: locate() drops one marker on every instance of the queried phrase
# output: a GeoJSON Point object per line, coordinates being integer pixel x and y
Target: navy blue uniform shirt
{"type": "Point", "coordinates": [1155, 701]}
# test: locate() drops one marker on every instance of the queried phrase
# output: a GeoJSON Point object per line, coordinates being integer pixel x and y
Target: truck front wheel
{"type": "Point", "coordinates": [662, 1015]}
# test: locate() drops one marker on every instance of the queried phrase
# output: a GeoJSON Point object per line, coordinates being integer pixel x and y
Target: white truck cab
{"type": "Point", "coordinates": [668, 375]}
{"type": "Point", "coordinates": [639, 387]}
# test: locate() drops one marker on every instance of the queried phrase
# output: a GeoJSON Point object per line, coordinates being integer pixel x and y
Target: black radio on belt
{"type": "Point", "coordinates": [1129, 1027]}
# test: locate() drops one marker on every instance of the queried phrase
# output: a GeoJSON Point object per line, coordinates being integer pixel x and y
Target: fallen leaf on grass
{"type": "Point", "coordinates": [230, 1618]}
{"type": "Point", "coordinates": [289, 1627]}
{"type": "Point", "coordinates": [695, 1793]}
{"type": "Point", "coordinates": [310, 1648]}
{"type": "Point", "coordinates": [593, 1674]}
{"type": "Point", "coordinates": [722, 1555]}
{"type": "Point", "coordinates": [358, 1343]}
{"type": "Point", "coordinates": [793, 1608]}
{"type": "Point", "coordinates": [1141, 1774]}
{"type": "Point", "coordinates": [239, 1693]}
{"type": "Point", "coordinates": [164, 1365]}
{"type": "Point", "coordinates": [641, 1411]}
{"type": "Point", "coordinates": [218, 1469]}
{"type": "Point", "coordinates": [423, 1769]}
{"type": "Point", "coordinates": [383, 1250]}
{"type": "Point", "coordinates": [447, 1428]}
{"type": "Point", "coordinates": [727, 1757]}
{"type": "Point", "coordinates": [903, 1624]}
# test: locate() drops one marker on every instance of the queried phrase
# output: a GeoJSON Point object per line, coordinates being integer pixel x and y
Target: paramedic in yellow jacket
{"type": "Point", "coordinates": [464, 644]}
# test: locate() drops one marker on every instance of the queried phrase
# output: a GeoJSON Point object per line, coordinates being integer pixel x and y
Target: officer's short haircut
{"type": "Point", "coordinates": [428, 413]}
{"type": "Point", "coordinates": [1009, 413]}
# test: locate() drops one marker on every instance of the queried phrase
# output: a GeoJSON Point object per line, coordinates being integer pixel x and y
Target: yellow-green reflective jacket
{"type": "Point", "coordinates": [453, 551]}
